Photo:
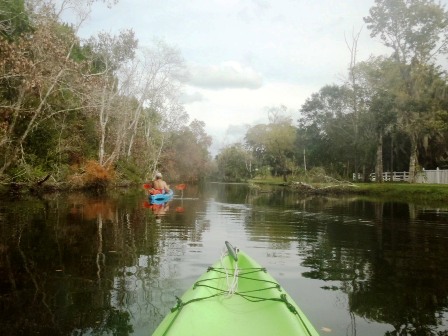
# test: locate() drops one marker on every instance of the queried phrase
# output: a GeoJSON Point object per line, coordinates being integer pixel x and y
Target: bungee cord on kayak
{"type": "Point", "coordinates": [232, 283]}
{"type": "Point", "coordinates": [226, 285]}
{"type": "Point", "coordinates": [282, 298]}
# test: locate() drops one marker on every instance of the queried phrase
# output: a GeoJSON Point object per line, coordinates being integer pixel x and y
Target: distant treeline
{"type": "Point", "coordinates": [88, 112]}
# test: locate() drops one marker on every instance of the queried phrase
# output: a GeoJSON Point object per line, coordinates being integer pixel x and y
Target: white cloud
{"type": "Point", "coordinates": [223, 76]}
{"type": "Point", "coordinates": [243, 108]}
{"type": "Point", "coordinates": [189, 98]}
{"type": "Point", "coordinates": [245, 56]}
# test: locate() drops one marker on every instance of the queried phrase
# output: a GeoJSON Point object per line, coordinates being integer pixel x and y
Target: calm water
{"type": "Point", "coordinates": [77, 264]}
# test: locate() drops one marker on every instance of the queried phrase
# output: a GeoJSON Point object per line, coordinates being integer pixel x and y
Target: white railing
{"type": "Point", "coordinates": [392, 176]}
{"type": "Point", "coordinates": [435, 176]}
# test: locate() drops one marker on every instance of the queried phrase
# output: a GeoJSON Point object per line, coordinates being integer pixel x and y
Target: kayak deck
{"type": "Point", "coordinates": [256, 304]}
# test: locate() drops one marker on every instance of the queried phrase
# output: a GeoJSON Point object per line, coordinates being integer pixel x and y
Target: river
{"type": "Point", "coordinates": [81, 264]}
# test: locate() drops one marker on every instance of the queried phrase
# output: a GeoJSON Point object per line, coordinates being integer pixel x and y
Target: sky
{"type": "Point", "coordinates": [246, 56]}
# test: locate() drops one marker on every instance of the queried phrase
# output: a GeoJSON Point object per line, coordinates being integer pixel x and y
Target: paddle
{"type": "Point", "coordinates": [146, 205]}
{"type": "Point", "coordinates": [181, 187]}
{"type": "Point", "coordinates": [179, 209]}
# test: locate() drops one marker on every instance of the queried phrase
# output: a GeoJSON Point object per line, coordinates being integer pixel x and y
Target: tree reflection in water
{"type": "Point", "coordinates": [101, 264]}
{"type": "Point", "coordinates": [389, 277]}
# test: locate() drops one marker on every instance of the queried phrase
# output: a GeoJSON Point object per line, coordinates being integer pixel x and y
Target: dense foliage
{"type": "Point", "coordinates": [89, 112]}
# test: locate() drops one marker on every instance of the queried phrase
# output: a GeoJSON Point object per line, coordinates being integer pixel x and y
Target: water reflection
{"type": "Point", "coordinates": [390, 259]}
{"type": "Point", "coordinates": [82, 264]}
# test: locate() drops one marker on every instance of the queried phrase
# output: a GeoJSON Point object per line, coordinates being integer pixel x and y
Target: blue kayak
{"type": "Point", "coordinates": [161, 198]}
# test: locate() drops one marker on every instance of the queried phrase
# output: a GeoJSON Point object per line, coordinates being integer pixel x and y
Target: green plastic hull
{"type": "Point", "coordinates": [259, 305]}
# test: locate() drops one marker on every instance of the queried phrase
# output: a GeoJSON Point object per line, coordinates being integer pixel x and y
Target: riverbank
{"type": "Point", "coordinates": [406, 192]}
{"type": "Point", "coordinates": [401, 192]}
{"type": "Point", "coordinates": [51, 187]}
{"type": "Point", "coordinates": [433, 194]}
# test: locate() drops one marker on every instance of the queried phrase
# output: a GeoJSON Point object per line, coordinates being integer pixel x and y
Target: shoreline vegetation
{"type": "Point", "coordinates": [434, 194]}
{"type": "Point", "coordinates": [100, 113]}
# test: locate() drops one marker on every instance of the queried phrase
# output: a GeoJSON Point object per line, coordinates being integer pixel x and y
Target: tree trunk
{"type": "Point", "coordinates": [104, 117]}
{"type": "Point", "coordinates": [413, 160]}
{"type": "Point", "coordinates": [353, 48]}
{"type": "Point", "coordinates": [156, 161]}
{"type": "Point", "coordinates": [379, 160]}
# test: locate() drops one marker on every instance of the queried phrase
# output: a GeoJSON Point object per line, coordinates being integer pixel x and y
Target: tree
{"type": "Point", "coordinates": [327, 129]}
{"type": "Point", "coordinates": [38, 74]}
{"type": "Point", "coordinates": [234, 163]}
{"type": "Point", "coordinates": [273, 143]}
{"type": "Point", "coordinates": [108, 54]}
{"type": "Point", "coordinates": [356, 100]}
{"type": "Point", "coordinates": [160, 78]}
{"type": "Point", "coordinates": [417, 31]}
{"type": "Point", "coordinates": [414, 29]}
{"type": "Point", "coordinates": [186, 154]}
{"type": "Point", "coordinates": [376, 77]}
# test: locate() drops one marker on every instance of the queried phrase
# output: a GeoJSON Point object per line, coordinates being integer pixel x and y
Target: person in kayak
{"type": "Point", "coordinates": [159, 184]}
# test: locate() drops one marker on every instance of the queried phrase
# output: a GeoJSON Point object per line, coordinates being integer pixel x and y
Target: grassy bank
{"type": "Point", "coordinates": [405, 191]}
{"type": "Point", "coordinates": [402, 192]}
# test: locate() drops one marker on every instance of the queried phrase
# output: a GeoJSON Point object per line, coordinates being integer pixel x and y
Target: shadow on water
{"type": "Point", "coordinates": [79, 264]}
